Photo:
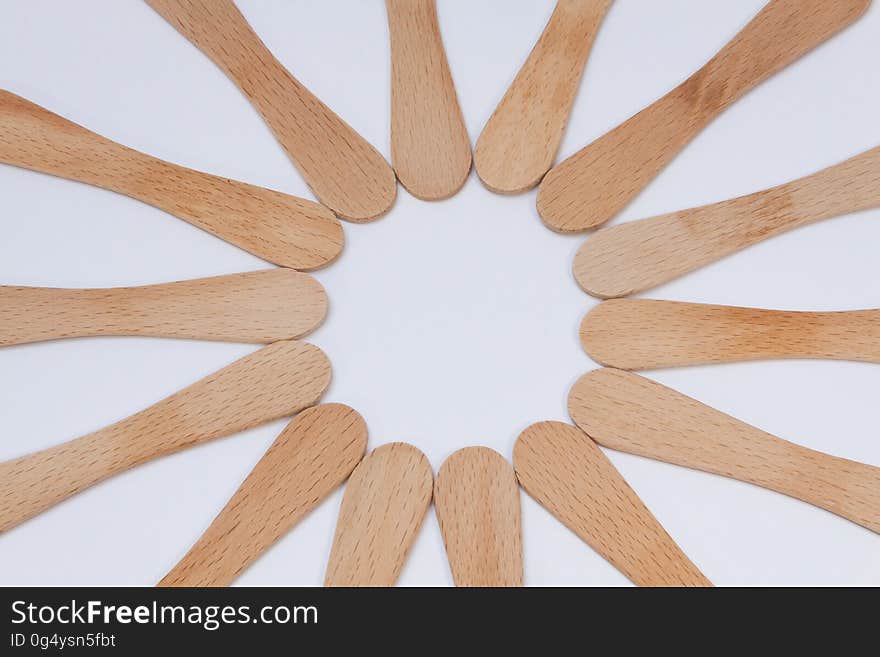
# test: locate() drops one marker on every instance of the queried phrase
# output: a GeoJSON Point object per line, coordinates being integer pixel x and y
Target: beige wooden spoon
{"type": "Point", "coordinates": [430, 147]}
{"type": "Point", "coordinates": [385, 501]}
{"type": "Point", "coordinates": [638, 255]}
{"type": "Point", "coordinates": [312, 456]}
{"type": "Point", "coordinates": [345, 172]}
{"type": "Point", "coordinates": [280, 228]}
{"type": "Point", "coordinates": [275, 381]}
{"type": "Point", "coordinates": [632, 414]}
{"type": "Point", "coordinates": [520, 140]}
{"type": "Point", "coordinates": [634, 334]}
{"type": "Point", "coordinates": [598, 181]}
{"type": "Point", "coordinates": [476, 497]}
{"type": "Point", "coordinates": [260, 306]}
{"type": "Point", "coordinates": [567, 473]}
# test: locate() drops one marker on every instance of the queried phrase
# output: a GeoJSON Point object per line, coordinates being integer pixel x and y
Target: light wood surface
{"type": "Point", "coordinates": [312, 456]}
{"type": "Point", "coordinates": [632, 414]}
{"type": "Point", "coordinates": [345, 172]}
{"type": "Point", "coordinates": [597, 182]}
{"type": "Point", "coordinates": [520, 140]}
{"type": "Point", "coordinates": [476, 497]}
{"type": "Point", "coordinates": [283, 229]}
{"type": "Point", "coordinates": [567, 473]}
{"type": "Point", "coordinates": [638, 255]}
{"type": "Point", "coordinates": [385, 501]}
{"type": "Point", "coordinates": [275, 381]}
{"type": "Point", "coordinates": [260, 306]}
{"type": "Point", "coordinates": [430, 147]}
{"type": "Point", "coordinates": [635, 334]}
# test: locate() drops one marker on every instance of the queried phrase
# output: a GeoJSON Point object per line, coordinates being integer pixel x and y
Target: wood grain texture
{"type": "Point", "coordinates": [632, 414]}
{"type": "Point", "coordinates": [638, 255]}
{"type": "Point", "coordinates": [567, 473]}
{"type": "Point", "coordinates": [312, 456]}
{"type": "Point", "coordinates": [282, 229]}
{"type": "Point", "coordinates": [520, 140]}
{"type": "Point", "coordinates": [597, 182]}
{"type": "Point", "coordinates": [260, 306]}
{"type": "Point", "coordinates": [635, 334]}
{"type": "Point", "coordinates": [476, 497]}
{"type": "Point", "coordinates": [430, 147]}
{"type": "Point", "coordinates": [344, 171]}
{"type": "Point", "coordinates": [385, 501]}
{"type": "Point", "coordinates": [275, 381]}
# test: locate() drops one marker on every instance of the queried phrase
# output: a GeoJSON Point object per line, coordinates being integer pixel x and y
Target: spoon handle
{"type": "Point", "coordinates": [280, 228]}
{"type": "Point", "coordinates": [632, 414]}
{"type": "Point", "coordinates": [634, 334]}
{"type": "Point", "coordinates": [345, 172]}
{"type": "Point", "coordinates": [260, 306]}
{"type": "Point", "coordinates": [312, 456]}
{"type": "Point", "coordinates": [275, 381]}
{"type": "Point", "coordinates": [659, 249]}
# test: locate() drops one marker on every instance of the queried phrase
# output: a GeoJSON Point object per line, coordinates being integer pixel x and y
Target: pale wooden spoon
{"type": "Point", "coordinates": [632, 414]}
{"type": "Point", "coordinates": [312, 456]}
{"type": "Point", "coordinates": [260, 306]}
{"type": "Point", "coordinates": [638, 255]}
{"type": "Point", "coordinates": [280, 228]}
{"type": "Point", "coordinates": [430, 147]}
{"type": "Point", "coordinates": [594, 184]}
{"type": "Point", "coordinates": [385, 501]}
{"type": "Point", "coordinates": [634, 334]}
{"type": "Point", "coordinates": [275, 381]}
{"type": "Point", "coordinates": [476, 498]}
{"type": "Point", "coordinates": [567, 473]}
{"type": "Point", "coordinates": [344, 171]}
{"type": "Point", "coordinates": [520, 140]}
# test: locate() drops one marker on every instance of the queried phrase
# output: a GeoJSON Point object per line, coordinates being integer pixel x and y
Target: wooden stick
{"type": "Point", "coordinates": [313, 455]}
{"type": "Point", "coordinates": [385, 501]}
{"type": "Point", "coordinates": [477, 502]}
{"type": "Point", "coordinates": [275, 381]}
{"type": "Point", "coordinates": [598, 181]}
{"type": "Point", "coordinates": [564, 470]}
{"type": "Point", "coordinates": [632, 414]}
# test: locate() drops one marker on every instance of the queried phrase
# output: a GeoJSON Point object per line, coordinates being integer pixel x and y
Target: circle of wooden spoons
{"type": "Point", "coordinates": [430, 147]}
{"type": "Point", "coordinates": [521, 138]}
{"type": "Point", "coordinates": [385, 501]}
{"type": "Point", "coordinates": [275, 381]}
{"type": "Point", "coordinates": [344, 171]}
{"type": "Point", "coordinates": [594, 184]}
{"type": "Point", "coordinates": [567, 473]}
{"type": "Point", "coordinates": [635, 334]}
{"type": "Point", "coordinates": [638, 255]}
{"type": "Point", "coordinates": [283, 229]}
{"type": "Point", "coordinates": [312, 456]}
{"type": "Point", "coordinates": [476, 497]}
{"type": "Point", "coordinates": [260, 306]}
{"type": "Point", "coordinates": [627, 412]}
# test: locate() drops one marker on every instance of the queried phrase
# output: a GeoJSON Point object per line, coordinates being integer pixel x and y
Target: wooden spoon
{"type": "Point", "coordinates": [385, 501]}
{"type": "Point", "coordinates": [634, 334]}
{"type": "Point", "coordinates": [275, 381]}
{"type": "Point", "coordinates": [564, 470]}
{"type": "Point", "coordinates": [259, 306]}
{"type": "Point", "coordinates": [521, 139]}
{"type": "Point", "coordinates": [430, 147]}
{"type": "Point", "coordinates": [641, 254]}
{"type": "Point", "coordinates": [597, 182]}
{"type": "Point", "coordinates": [282, 229]}
{"type": "Point", "coordinates": [626, 412]}
{"type": "Point", "coordinates": [345, 172]}
{"type": "Point", "coordinates": [312, 456]}
{"type": "Point", "coordinates": [476, 497]}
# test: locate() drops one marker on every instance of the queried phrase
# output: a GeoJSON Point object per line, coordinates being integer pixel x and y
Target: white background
{"type": "Point", "coordinates": [451, 323]}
